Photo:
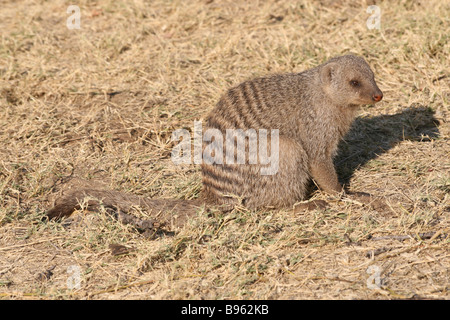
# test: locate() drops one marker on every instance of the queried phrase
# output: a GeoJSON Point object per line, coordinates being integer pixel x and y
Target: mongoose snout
{"type": "Point", "coordinates": [377, 96]}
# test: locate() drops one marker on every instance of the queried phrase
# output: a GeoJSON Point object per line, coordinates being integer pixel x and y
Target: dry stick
{"type": "Point", "coordinates": [125, 130]}
{"type": "Point", "coordinates": [317, 277]}
{"type": "Point", "coordinates": [396, 253]}
{"type": "Point", "coordinates": [111, 289]}
{"type": "Point", "coordinates": [23, 294]}
{"type": "Point", "coordinates": [332, 279]}
{"type": "Point", "coordinates": [421, 236]}
{"type": "Point", "coordinates": [27, 294]}
{"type": "Point", "coordinates": [376, 252]}
{"type": "Point", "coordinates": [28, 244]}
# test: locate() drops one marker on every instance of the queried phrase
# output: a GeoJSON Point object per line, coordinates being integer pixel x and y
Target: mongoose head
{"type": "Point", "coordinates": [348, 80]}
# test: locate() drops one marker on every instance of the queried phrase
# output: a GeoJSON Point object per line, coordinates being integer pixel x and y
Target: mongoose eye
{"type": "Point", "coordinates": [354, 83]}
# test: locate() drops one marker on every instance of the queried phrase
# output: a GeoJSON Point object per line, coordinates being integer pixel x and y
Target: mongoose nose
{"type": "Point", "coordinates": [377, 97]}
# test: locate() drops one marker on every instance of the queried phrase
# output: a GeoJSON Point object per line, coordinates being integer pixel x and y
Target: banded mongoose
{"type": "Point", "coordinates": [312, 111]}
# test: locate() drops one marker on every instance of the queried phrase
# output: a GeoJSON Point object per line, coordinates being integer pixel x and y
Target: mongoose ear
{"type": "Point", "coordinates": [327, 72]}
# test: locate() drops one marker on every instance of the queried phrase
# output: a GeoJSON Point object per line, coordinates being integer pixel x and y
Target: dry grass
{"type": "Point", "coordinates": [100, 104]}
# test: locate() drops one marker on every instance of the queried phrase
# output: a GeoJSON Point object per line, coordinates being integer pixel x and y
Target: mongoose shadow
{"type": "Point", "coordinates": [369, 137]}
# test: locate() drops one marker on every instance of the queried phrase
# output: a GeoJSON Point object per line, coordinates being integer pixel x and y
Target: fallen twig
{"type": "Point", "coordinates": [373, 253]}
{"type": "Point", "coordinates": [114, 288]}
{"type": "Point", "coordinates": [421, 236]}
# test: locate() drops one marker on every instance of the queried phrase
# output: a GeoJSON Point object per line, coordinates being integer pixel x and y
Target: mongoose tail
{"type": "Point", "coordinates": [174, 212]}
